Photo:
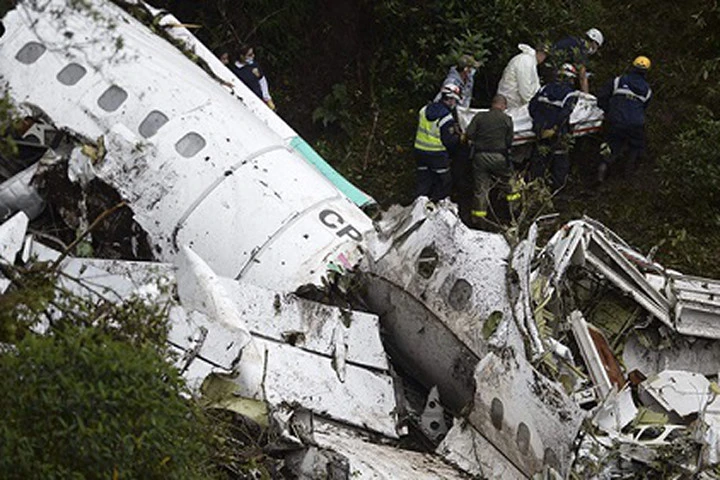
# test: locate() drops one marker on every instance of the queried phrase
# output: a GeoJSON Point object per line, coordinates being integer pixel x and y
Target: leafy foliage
{"type": "Point", "coordinates": [8, 125]}
{"type": "Point", "coordinates": [336, 109]}
{"type": "Point", "coordinates": [36, 300]}
{"type": "Point", "coordinates": [691, 172]}
{"type": "Point", "coordinates": [80, 404]}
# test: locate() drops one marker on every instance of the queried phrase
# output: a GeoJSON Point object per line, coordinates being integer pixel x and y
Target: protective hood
{"type": "Point", "coordinates": [526, 49]}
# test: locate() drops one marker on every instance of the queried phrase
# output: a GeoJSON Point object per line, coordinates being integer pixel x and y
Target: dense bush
{"type": "Point", "coordinates": [691, 173]}
{"type": "Point", "coordinates": [79, 404]}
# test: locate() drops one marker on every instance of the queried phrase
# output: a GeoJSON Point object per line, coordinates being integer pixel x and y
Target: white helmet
{"type": "Point", "coordinates": [596, 36]}
{"type": "Point", "coordinates": [451, 90]}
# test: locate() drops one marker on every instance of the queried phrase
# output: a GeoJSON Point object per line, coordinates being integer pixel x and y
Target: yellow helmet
{"type": "Point", "coordinates": [642, 62]}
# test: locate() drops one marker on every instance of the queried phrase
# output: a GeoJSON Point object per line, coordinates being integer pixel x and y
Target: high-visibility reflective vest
{"type": "Point", "coordinates": [428, 137]}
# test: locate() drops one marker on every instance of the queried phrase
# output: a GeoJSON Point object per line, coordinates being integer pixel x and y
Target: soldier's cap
{"type": "Point", "coordinates": [467, 61]}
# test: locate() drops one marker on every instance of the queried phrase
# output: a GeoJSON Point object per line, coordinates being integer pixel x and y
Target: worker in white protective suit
{"type": "Point", "coordinates": [520, 79]}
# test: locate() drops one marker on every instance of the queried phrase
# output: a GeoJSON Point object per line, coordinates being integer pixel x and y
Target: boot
{"type": "Point", "coordinates": [632, 162]}
{"type": "Point", "coordinates": [602, 172]}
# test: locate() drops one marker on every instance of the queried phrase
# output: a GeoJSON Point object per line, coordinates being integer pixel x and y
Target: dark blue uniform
{"type": "Point", "coordinates": [624, 100]}
{"type": "Point", "coordinates": [433, 165]}
{"type": "Point", "coordinates": [550, 110]}
{"type": "Point", "coordinates": [250, 75]}
{"type": "Point", "coordinates": [572, 50]}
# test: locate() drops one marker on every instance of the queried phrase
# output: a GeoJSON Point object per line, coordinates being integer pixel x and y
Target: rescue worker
{"type": "Point", "coordinates": [520, 80]}
{"type": "Point", "coordinates": [225, 59]}
{"type": "Point", "coordinates": [436, 138]}
{"type": "Point", "coordinates": [550, 110]}
{"type": "Point", "coordinates": [624, 100]}
{"type": "Point", "coordinates": [462, 75]}
{"type": "Point", "coordinates": [491, 135]}
{"type": "Point", "coordinates": [248, 71]}
{"type": "Point", "coordinates": [576, 51]}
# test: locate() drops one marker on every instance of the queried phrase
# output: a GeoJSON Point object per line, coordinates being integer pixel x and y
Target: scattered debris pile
{"type": "Point", "coordinates": [524, 345]}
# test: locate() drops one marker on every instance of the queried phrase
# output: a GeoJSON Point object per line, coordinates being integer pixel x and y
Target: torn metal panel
{"type": "Point", "coordinates": [377, 461]}
{"type": "Point", "coordinates": [617, 411]}
{"type": "Point", "coordinates": [615, 267]}
{"type": "Point", "coordinates": [396, 224]}
{"type": "Point", "coordinates": [289, 375]}
{"type": "Point", "coordinates": [12, 237]}
{"type": "Point", "coordinates": [589, 351]}
{"type": "Point", "coordinates": [18, 194]}
{"type": "Point", "coordinates": [686, 353]}
{"type": "Point", "coordinates": [310, 325]}
{"type": "Point", "coordinates": [432, 419]}
{"type": "Point", "coordinates": [697, 305]}
{"type": "Point", "coordinates": [522, 259]}
{"type": "Point", "coordinates": [203, 346]}
{"type": "Point", "coordinates": [200, 290]}
{"type": "Point", "coordinates": [566, 248]}
{"type": "Point", "coordinates": [310, 463]}
{"type": "Point", "coordinates": [466, 448]}
{"type": "Point", "coordinates": [111, 280]}
{"type": "Point", "coordinates": [609, 362]}
{"type": "Point", "coordinates": [522, 414]}
{"type": "Point", "coordinates": [365, 399]}
{"type": "Point", "coordinates": [678, 392]}
{"type": "Point", "coordinates": [218, 344]}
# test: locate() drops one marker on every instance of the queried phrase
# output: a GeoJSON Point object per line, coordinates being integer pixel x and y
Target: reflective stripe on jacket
{"type": "Point", "coordinates": [428, 137]}
{"type": "Point", "coordinates": [629, 98]}
{"type": "Point", "coordinates": [552, 105]}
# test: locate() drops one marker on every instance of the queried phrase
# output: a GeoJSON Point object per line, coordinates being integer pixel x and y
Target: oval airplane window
{"type": "Point", "coordinates": [152, 123]}
{"type": "Point", "coordinates": [71, 74]}
{"type": "Point", "coordinates": [112, 98]}
{"type": "Point", "coordinates": [190, 144]}
{"type": "Point", "coordinates": [30, 52]}
{"type": "Point", "coordinates": [497, 413]}
{"type": "Point", "coordinates": [522, 439]}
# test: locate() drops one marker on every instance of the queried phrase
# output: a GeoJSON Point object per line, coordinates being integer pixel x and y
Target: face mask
{"type": "Point", "coordinates": [472, 71]}
{"type": "Point", "coordinates": [250, 59]}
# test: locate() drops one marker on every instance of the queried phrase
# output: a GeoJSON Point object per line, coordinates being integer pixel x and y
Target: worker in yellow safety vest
{"type": "Point", "coordinates": [437, 136]}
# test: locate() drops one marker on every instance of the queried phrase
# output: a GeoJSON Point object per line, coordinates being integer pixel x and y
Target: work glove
{"type": "Point", "coordinates": [548, 132]}
{"type": "Point", "coordinates": [271, 104]}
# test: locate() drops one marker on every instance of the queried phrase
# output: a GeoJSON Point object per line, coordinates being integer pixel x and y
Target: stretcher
{"type": "Point", "coordinates": [586, 118]}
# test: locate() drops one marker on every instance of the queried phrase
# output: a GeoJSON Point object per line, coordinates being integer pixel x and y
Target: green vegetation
{"type": "Point", "coordinates": [690, 173]}
{"type": "Point", "coordinates": [94, 397]}
{"type": "Point", "coordinates": [7, 125]}
{"type": "Point", "coordinates": [81, 404]}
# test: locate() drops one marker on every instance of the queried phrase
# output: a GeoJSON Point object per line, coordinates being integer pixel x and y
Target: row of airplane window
{"type": "Point", "coordinates": [112, 98]}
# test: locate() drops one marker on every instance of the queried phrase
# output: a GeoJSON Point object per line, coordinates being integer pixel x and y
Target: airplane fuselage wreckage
{"type": "Point", "coordinates": [510, 360]}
